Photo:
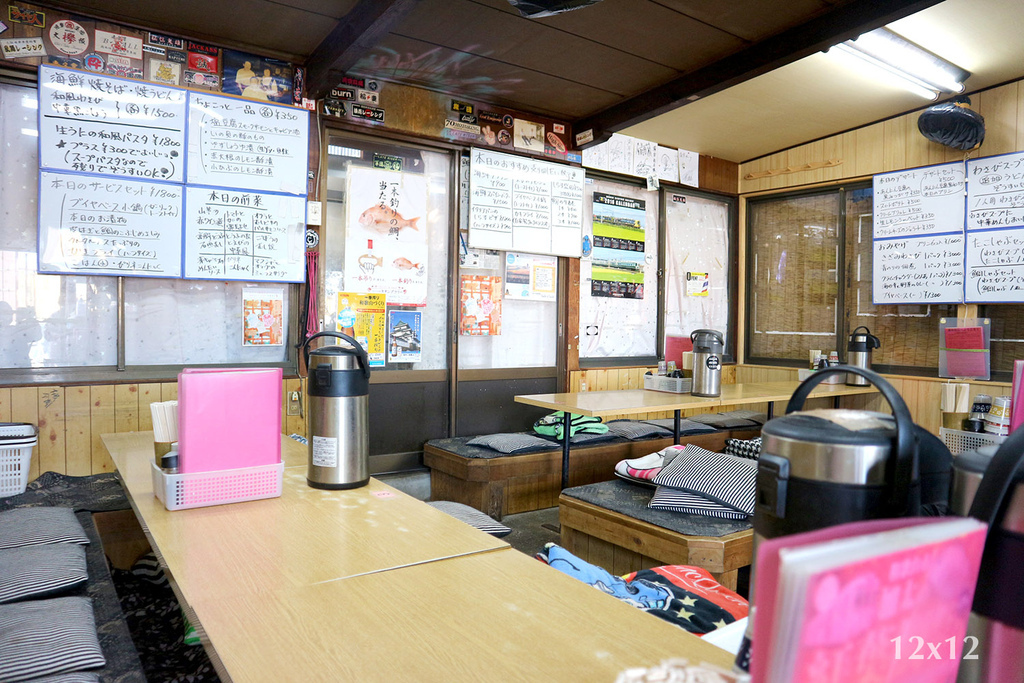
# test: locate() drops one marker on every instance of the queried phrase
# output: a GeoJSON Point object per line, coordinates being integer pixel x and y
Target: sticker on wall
{"type": "Point", "coordinates": [177, 57]}
{"type": "Point", "coordinates": [203, 48]}
{"type": "Point", "coordinates": [69, 37]}
{"type": "Point", "coordinates": [556, 143]}
{"type": "Point", "coordinates": [3, 27]}
{"type": "Point", "coordinates": [16, 48]}
{"type": "Point", "coordinates": [558, 128]}
{"type": "Point", "coordinates": [262, 317]}
{"type": "Point", "coordinates": [258, 78]}
{"type": "Point", "coordinates": [335, 109]}
{"type": "Point", "coordinates": [387, 162]}
{"type": "Point", "coordinates": [299, 88]}
{"type": "Point", "coordinates": [202, 80]}
{"type": "Point", "coordinates": [528, 135]}
{"type": "Point", "coordinates": [342, 94]}
{"type": "Point", "coordinates": [354, 82]}
{"type": "Point", "coordinates": [118, 66]}
{"type": "Point", "coordinates": [93, 62]}
{"type": "Point", "coordinates": [154, 50]}
{"type": "Point", "coordinates": [118, 44]}
{"type": "Point", "coordinates": [373, 86]}
{"type": "Point", "coordinates": [374, 114]}
{"type": "Point", "coordinates": [507, 120]}
{"type": "Point", "coordinates": [404, 336]}
{"type": "Point", "coordinates": [201, 62]}
{"type": "Point", "coordinates": [462, 127]}
{"type": "Point", "coordinates": [490, 117]}
{"type": "Point", "coordinates": [697, 284]}
{"type": "Point", "coordinates": [369, 97]}
{"type": "Point", "coordinates": [462, 107]}
{"type": "Point", "coordinates": [23, 15]}
{"type": "Point", "coordinates": [161, 71]}
{"type": "Point", "coordinates": [66, 62]}
{"type": "Point", "coordinates": [166, 41]}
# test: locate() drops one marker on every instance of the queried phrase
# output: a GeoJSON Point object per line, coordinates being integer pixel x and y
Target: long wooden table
{"type": "Point", "coordinates": [634, 401]}
{"type": "Point", "coordinates": [372, 584]}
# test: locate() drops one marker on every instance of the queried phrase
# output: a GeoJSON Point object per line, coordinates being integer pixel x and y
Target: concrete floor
{"type": "Point", "coordinates": [530, 530]}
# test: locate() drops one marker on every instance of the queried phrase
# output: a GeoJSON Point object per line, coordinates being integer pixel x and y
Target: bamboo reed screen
{"type": "Point", "coordinates": [794, 244]}
{"type": "Point", "coordinates": [1007, 334]}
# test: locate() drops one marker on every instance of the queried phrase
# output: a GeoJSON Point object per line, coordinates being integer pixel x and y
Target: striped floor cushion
{"type": "Point", "coordinates": [677, 500]}
{"type": "Point", "coordinates": [472, 517]}
{"type": "Point", "coordinates": [39, 526]}
{"type": "Point", "coordinates": [510, 443]}
{"type": "Point", "coordinates": [45, 637]}
{"type": "Point", "coordinates": [743, 448]}
{"type": "Point", "coordinates": [722, 478]}
{"type": "Point", "coordinates": [38, 570]}
{"type": "Point", "coordinates": [633, 430]}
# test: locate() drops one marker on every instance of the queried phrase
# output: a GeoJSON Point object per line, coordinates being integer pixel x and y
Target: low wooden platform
{"type": "Point", "coordinates": [622, 543]}
{"type": "Point", "coordinates": [506, 484]}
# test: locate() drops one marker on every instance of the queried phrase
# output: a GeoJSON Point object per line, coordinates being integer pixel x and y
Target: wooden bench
{"type": "Point", "coordinates": [500, 484]}
{"type": "Point", "coordinates": [610, 525]}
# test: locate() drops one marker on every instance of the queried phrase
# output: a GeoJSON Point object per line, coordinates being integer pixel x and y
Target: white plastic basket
{"type": "Point", "coordinates": [958, 441]}
{"type": "Point", "coordinates": [17, 439]}
{"type": "Point", "coordinates": [673, 385]}
{"type": "Point", "coordinates": [200, 489]}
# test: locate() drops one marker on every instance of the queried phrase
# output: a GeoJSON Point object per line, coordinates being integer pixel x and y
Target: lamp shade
{"type": "Point", "coordinates": [953, 124]}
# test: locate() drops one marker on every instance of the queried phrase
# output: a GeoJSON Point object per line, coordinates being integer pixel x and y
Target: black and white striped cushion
{"type": "Point", "coordinates": [510, 443]}
{"type": "Point", "coordinates": [148, 568]}
{"type": "Point", "coordinates": [632, 430]}
{"type": "Point", "coordinates": [72, 677]}
{"type": "Point", "coordinates": [686, 427]}
{"type": "Point", "coordinates": [723, 420]}
{"type": "Point", "coordinates": [677, 500]}
{"type": "Point", "coordinates": [744, 448]}
{"type": "Point", "coordinates": [472, 517]}
{"type": "Point", "coordinates": [38, 526]}
{"type": "Point", "coordinates": [723, 478]}
{"type": "Point", "coordinates": [40, 569]}
{"type": "Point", "coordinates": [44, 637]}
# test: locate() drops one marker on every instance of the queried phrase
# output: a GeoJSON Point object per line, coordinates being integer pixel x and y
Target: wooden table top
{"type": "Point", "coordinates": [631, 401]}
{"type": "Point", "coordinates": [488, 617]}
{"type": "Point", "coordinates": [306, 536]}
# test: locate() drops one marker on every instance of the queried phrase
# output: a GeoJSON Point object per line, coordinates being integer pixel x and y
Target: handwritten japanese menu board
{"type": "Point", "coordinates": [525, 205]}
{"type": "Point", "coordinates": [147, 180]}
{"type": "Point", "coordinates": [995, 229]}
{"type": "Point", "coordinates": [110, 126]}
{"type": "Point", "coordinates": [918, 240]}
{"type": "Point", "coordinates": [247, 145]}
{"type": "Point", "coordinates": [109, 226]}
{"type": "Point", "coordinates": [244, 235]}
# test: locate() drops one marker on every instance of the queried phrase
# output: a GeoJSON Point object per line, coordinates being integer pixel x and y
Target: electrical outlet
{"type": "Point", "coordinates": [294, 403]}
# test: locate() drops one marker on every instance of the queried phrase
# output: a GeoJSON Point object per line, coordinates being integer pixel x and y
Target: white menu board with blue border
{"type": "Point", "coordinates": [995, 229]}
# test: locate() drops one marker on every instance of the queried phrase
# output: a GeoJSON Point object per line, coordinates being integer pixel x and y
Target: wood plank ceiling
{"type": "Point", "coordinates": [606, 67]}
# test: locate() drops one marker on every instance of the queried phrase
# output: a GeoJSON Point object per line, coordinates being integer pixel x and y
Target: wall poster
{"type": "Point", "coordinates": [404, 336]}
{"type": "Point", "coordinates": [481, 306]}
{"type": "Point", "coordinates": [361, 315]}
{"type": "Point", "coordinates": [528, 276]}
{"type": "Point", "coordinates": [618, 253]}
{"type": "Point", "coordinates": [262, 317]}
{"type": "Point", "coordinates": [386, 239]}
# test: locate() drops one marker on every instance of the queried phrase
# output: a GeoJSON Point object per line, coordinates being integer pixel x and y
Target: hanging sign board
{"type": "Point", "coordinates": [525, 205]}
{"type": "Point", "coordinates": [995, 229]}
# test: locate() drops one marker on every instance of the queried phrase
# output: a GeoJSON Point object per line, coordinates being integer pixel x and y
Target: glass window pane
{"type": "Point", "coordinates": [619, 286]}
{"type": "Point", "coordinates": [909, 335]}
{"type": "Point", "coordinates": [697, 241]}
{"type": "Point", "coordinates": [794, 281]}
{"type": "Point", "coordinates": [45, 320]}
{"type": "Point", "coordinates": [184, 322]}
{"type": "Point", "coordinates": [387, 229]}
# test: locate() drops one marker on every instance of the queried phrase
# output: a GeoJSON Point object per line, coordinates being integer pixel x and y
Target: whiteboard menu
{"type": "Point", "coordinates": [108, 226]}
{"type": "Point", "coordinates": [243, 235]}
{"type": "Point", "coordinates": [918, 240]}
{"type": "Point", "coordinates": [111, 126]}
{"type": "Point", "coordinates": [247, 145]}
{"type": "Point", "coordinates": [525, 205]}
{"type": "Point", "coordinates": [995, 229]}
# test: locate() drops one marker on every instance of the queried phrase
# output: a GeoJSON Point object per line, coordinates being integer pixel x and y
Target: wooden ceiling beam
{"type": "Point", "coordinates": [843, 23]}
{"type": "Point", "coordinates": [354, 36]}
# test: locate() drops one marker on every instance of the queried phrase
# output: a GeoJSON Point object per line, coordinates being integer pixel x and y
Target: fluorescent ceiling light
{"type": "Point", "coordinates": [920, 71]}
{"type": "Point", "coordinates": [339, 151]}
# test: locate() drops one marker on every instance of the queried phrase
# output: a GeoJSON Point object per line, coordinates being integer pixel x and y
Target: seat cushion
{"type": "Point", "coordinates": [668, 498]}
{"type": "Point", "coordinates": [472, 517]}
{"type": "Point", "coordinates": [37, 570]}
{"type": "Point", "coordinates": [39, 526]}
{"type": "Point", "coordinates": [743, 448]}
{"type": "Point", "coordinates": [687, 427]}
{"type": "Point", "coordinates": [634, 431]}
{"type": "Point", "coordinates": [718, 477]}
{"type": "Point", "coordinates": [510, 443]}
{"type": "Point", "coordinates": [45, 637]}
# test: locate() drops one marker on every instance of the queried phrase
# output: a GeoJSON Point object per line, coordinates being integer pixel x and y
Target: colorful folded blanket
{"type": "Point", "coordinates": [552, 425]}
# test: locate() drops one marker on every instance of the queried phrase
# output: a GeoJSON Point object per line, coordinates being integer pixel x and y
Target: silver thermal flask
{"type": "Point", "coordinates": [338, 386]}
{"type": "Point", "coordinates": [858, 354]}
{"type": "Point", "coordinates": [708, 347]}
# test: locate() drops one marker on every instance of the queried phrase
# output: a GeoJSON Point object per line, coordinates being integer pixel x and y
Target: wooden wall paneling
{"type": "Point", "coordinates": [775, 161]}
{"type": "Point", "coordinates": [25, 408]}
{"type": "Point", "coordinates": [848, 144]}
{"type": "Point", "coordinates": [78, 430]}
{"type": "Point", "coordinates": [894, 144]}
{"type": "Point", "coordinates": [5, 405]}
{"type": "Point", "coordinates": [718, 175]}
{"type": "Point", "coordinates": [52, 442]}
{"type": "Point", "coordinates": [572, 317]}
{"type": "Point", "coordinates": [148, 393]}
{"type": "Point", "coordinates": [999, 107]}
{"type": "Point", "coordinates": [126, 408]}
{"type": "Point", "coordinates": [294, 424]}
{"type": "Point", "coordinates": [102, 421]}
{"type": "Point", "coordinates": [832, 148]}
{"type": "Point", "coordinates": [169, 391]}
{"type": "Point", "coordinates": [870, 149]}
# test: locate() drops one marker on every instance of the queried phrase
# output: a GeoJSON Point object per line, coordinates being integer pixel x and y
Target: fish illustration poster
{"type": "Point", "coordinates": [386, 235]}
{"type": "Point", "coordinates": [362, 316]}
{"type": "Point", "coordinates": [481, 305]}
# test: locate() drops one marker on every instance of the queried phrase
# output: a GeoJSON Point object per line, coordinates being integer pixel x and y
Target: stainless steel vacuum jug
{"type": "Point", "coordinates": [858, 354]}
{"type": "Point", "coordinates": [708, 346]}
{"type": "Point", "coordinates": [826, 467]}
{"type": "Point", "coordinates": [993, 650]}
{"type": "Point", "coordinates": [337, 428]}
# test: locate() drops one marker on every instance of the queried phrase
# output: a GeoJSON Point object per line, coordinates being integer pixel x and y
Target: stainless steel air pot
{"type": "Point", "coordinates": [995, 632]}
{"type": "Point", "coordinates": [338, 385]}
{"type": "Point", "coordinates": [858, 354]}
{"type": "Point", "coordinates": [821, 468]}
{"type": "Point", "coordinates": [708, 346]}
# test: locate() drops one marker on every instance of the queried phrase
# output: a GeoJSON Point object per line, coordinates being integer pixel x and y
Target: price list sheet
{"type": "Point", "coordinates": [995, 229]}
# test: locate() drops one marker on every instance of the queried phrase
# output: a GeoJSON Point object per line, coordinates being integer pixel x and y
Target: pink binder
{"type": "Point", "coordinates": [228, 418]}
